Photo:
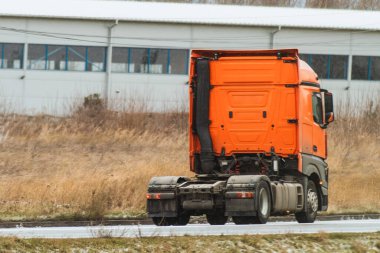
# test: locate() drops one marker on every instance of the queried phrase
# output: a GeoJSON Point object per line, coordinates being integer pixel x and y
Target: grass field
{"type": "Point", "coordinates": [269, 243]}
{"type": "Point", "coordinates": [95, 162]}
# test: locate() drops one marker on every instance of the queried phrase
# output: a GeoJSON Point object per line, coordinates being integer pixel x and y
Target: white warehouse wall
{"type": "Point", "coordinates": [54, 92]}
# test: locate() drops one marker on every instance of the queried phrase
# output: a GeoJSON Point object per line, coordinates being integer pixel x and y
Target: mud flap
{"type": "Point", "coordinates": [161, 196]}
{"type": "Point", "coordinates": [324, 198]}
{"type": "Point", "coordinates": [237, 205]}
{"type": "Point", "coordinates": [162, 208]}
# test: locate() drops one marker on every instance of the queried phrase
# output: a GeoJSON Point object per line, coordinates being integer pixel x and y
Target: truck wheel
{"type": "Point", "coordinates": [216, 219]}
{"type": "Point", "coordinates": [164, 221]}
{"type": "Point", "coordinates": [312, 205]}
{"type": "Point", "coordinates": [242, 220]}
{"type": "Point", "coordinates": [263, 203]}
{"type": "Point", "coordinates": [160, 221]}
{"type": "Point", "coordinates": [183, 220]}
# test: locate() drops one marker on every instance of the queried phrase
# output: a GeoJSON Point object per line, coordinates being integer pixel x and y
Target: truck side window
{"type": "Point", "coordinates": [317, 108]}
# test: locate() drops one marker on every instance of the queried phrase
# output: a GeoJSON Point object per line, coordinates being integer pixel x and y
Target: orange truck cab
{"type": "Point", "coordinates": [257, 141]}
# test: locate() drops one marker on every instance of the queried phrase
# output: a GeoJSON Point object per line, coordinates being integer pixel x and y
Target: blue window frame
{"type": "Point", "coordinates": [361, 68]}
{"type": "Point", "coordinates": [125, 60]}
{"type": "Point", "coordinates": [61, 57]}
{"type": "Point", "coordinates": [365, 67]}
{"type": "Point", "coordinates": [11, 55]}
{"type": "Point", "coordinates": [327, 66]}
{"type": "Point", "coordinates": [375, 68]}
{"type": "Point", "coordinates": [150, 60]}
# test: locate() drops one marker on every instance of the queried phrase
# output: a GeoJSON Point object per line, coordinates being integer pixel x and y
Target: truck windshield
{"type": "Point", "coordinates": [317, 108]}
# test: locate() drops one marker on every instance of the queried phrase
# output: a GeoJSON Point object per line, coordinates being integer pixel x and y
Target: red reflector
{"type": "Point", "coordinates": [244, 195]}
{"type": "Point", "coordinates": [153, 196]}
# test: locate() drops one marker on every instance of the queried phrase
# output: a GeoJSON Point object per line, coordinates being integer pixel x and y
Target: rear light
{"type": "Point", "coordinates": [153, 196]}
{"type": "Point", "coordinates": [244, 195]}
{"type": "Point", "coordinates": [240, 195]}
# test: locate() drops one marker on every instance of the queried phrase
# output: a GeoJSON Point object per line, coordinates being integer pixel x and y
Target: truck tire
{"type": "Point", "coordinates": [310, 214]}
{"type": "Point", "coordinates": [262, 203]}
{"type": "Point", "coordinates": [242, 220]}
{"type": "Point", "coordinates": [216, 218]}
{"type": "Point", "coordinates": [164, 221]}
{"type": "Point", "coordinates": [183, 219]}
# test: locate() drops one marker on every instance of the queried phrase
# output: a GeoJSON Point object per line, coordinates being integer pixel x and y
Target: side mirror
{"type": "Point", "coordinates": [329, 117]}
{"type": "Point", "coordinates": [328, 107]}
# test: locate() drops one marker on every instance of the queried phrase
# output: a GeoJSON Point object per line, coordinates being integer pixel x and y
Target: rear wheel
{"type": "Point", "coordinates": [310, 214]}
{"type": "Point", "coordinates": [263, 203]}
{"type": "Point", "coordinates": [242, 220]}
{"type": "Point", "coordinates": [216, 219]}
{"type": "Point", "coordinates": [183, 219]}
{"type": "Point", "coordinates": [164, 221]}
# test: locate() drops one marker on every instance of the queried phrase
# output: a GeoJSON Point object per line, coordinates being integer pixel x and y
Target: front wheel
{"type": "Point", "coordinates": [310, 214]}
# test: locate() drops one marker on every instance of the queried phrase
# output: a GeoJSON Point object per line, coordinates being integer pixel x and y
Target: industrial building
{"type": "Point", "coordinates": [54, 53]}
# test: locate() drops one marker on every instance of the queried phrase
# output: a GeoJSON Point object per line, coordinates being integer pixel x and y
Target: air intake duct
{"type": "Point", "coordinates": [202, 121]}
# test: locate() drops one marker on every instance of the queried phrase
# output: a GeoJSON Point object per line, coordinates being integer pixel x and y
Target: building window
{"type": "Point", "coordinates": [56, 57]}
{"type": "Point", "coordinates": [365, 68]}
{"type": "Point", "coordinates": [319, 63]}
{"type": "Point", "coordinates": [11, 55]}
{"type": "Point", "coordinates": [360, 67]}
{"type": "Point", "coordinates": [139, 60]}
{"type": "Point", "coordinates": [96, 59]}
{"type": "Point", "coordinates": [158, 61]}
{"type": "Point", "coordinates": [150, 60]}
{"type": "Point", "coordinates": [120, 59]}
{"type": "Point", "coordinates": [304, 57]}
{"type": "Point", "coordinates": [338, 66]}
{"type": "Point", "coordinates": [327, 66]}
{"type": "Point", "coordinates": [37, 56]}
{"type": "Point", "coordinates": [375, 68]}
{"type": "Point", "coordinates": [178, 61]}
{"type": "Point", "coordinates": [74, 58]}
{"type": "Point", "coordinates": [124, 60]}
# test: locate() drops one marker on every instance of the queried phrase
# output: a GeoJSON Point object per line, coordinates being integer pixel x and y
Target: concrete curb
{"type": "Point", "coordinates": [146, 221]}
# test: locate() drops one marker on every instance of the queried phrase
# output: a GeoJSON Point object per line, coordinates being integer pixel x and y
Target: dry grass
{"type": "Point", "coordinates": [321, 242]}
{"type": "Point", "coordinates": [90, 164]}
{"type": "Point", "coordinates": [98, 162]}
{"type": "Point", "coordinates": [354, 158]}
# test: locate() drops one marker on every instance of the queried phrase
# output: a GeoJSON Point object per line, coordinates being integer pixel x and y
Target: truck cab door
{"type": "Point", "coordinates": [312, 135]}
{"type": "Point", "coordinates": [319, 133]}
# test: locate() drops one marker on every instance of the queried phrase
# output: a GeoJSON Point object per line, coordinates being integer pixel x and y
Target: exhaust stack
{"type": "Point", "coordinates": [202, 121]}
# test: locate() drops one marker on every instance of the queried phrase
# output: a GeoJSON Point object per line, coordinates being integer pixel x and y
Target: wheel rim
{"type": "Point", "coordinates": [312, 200]}
{"type": "Point", "coordinates": [264, 202]}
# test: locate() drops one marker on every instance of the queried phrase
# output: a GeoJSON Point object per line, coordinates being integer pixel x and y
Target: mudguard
{"type": "Point", "coordinates": [244, 183]}
{"type": "Point", "coordinates": [313, 165]}
{"type": "Point", "coordinates": [167, 205]}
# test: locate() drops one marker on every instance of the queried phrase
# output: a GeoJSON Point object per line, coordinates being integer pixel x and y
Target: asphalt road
{"type": "Point", "coordinates": [342, 226]}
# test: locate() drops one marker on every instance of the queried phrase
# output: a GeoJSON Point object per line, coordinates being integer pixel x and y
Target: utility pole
{"type": "Point", "coordinates": [107, 85]}
{"type": "Point", "coordinates": [349, 67]}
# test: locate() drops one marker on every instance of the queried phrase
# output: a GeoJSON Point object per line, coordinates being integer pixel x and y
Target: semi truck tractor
{"type": "Point", "coordinates": [257, 141]}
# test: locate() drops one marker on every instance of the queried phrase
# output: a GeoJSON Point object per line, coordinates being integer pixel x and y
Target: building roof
{"type": "Point", "coordinates": [193, 14]}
